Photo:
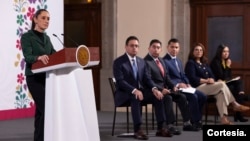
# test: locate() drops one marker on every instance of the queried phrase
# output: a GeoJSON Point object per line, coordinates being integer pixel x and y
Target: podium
{"type": "Point", "coordinates": [70, 109]}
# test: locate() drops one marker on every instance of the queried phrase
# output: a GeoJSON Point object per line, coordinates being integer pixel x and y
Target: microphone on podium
{"type": "Point", "coordinates": [71, 40]}
{"type": "Point", "coordinates": [59, 39]}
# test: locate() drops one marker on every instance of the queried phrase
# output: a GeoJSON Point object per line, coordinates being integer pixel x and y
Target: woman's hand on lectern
{"type": "Point", "coordinates": [44, 59]}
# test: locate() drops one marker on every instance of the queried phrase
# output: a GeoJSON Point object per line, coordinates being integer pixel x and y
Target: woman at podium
{"type": "Point", "coordinates": [36, 46]}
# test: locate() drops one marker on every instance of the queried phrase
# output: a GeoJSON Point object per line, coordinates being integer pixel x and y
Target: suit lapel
{"type": "Point", "coordinates": [139, 67]}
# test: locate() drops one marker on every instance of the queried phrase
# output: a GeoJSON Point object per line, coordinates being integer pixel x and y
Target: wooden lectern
{"type": "Point", "coordinates": [70, 109]}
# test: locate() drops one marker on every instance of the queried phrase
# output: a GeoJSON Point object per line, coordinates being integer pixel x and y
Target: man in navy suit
{"type": "Point", "coordinates": [160, 76]}
{"type": "Point", "coordinates": [131, 80]}
{"type": "Point", "coordinates": [196, 99]}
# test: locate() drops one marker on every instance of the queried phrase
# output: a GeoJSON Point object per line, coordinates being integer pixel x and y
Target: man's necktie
{"type": "Point", "coordinates": [134, 68]}
{"type": "Point", "coordinates": [176, 64]}
{"type": "Point", "coordinates": [160, 66]}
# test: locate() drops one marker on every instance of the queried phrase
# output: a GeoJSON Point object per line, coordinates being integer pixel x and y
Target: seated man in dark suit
{"type": "Point", "coordinates": [158, 73]}
{"type": "Point", "coordinates": [131, 78]}
{"type": "Point", "coordinates": [196, 99]}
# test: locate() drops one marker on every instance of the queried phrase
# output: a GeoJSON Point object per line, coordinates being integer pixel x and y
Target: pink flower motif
{"type": "Point", "coordinates": [20, 78]}
{"type": "Point", "coordinates": [31, 12]}
{"type": "Point", "coordinates": [18, 44]}
{"type": "Point", "coordinates": [32, 104]}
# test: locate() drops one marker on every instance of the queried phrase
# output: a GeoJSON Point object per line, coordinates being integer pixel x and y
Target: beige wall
{"type": "Point", "coordinates": [146, 19]}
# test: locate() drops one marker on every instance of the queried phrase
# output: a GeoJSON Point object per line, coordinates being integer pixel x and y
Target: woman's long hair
{"type": "Point", "coordinates": [218, 54]}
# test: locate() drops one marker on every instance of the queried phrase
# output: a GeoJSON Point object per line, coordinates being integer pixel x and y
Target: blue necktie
{"type": "Point", "coordinates": [176, 64]}
{"type": "Point", "coordinates": [134, 68]}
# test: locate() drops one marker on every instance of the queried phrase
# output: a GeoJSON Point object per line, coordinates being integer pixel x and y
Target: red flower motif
{"type": "Point", "coordinates": [20, 78]}
{"type": "Point", "coordinates": [18, 44]}
{"type": "Point", "coordinates": [31, 12]}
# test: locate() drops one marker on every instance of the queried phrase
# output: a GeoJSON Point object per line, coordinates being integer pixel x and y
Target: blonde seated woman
{"type": "Point", "coordinates": [201, 77]}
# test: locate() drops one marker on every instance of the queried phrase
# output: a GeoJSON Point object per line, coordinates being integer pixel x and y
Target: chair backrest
{"type": "Point", "coordinates": [112, 84]}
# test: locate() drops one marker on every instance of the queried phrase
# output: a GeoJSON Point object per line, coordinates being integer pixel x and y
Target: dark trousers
{"type": "Point", "coordinates": [158, 108]}
{"type": "Point", "coordinates": [181, 101]}
{"type": "Point", "coordinates": [235, 87]}
{"type": "Point", "coordinates": [196, 103]}
{"type": "Point", "coordinates": [136, 109]}
{"type": "Point", "coordinates": [36, 85]}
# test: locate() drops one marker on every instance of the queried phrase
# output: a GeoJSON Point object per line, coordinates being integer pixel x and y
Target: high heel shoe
{"type": "Point", "coordinates": [240, 119]}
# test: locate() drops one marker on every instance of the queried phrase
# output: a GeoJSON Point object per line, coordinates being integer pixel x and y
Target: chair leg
{"type": "Point", "coordinates": [153, 117]}
{"type": "Point", "coordinates": [206, 110]}
{"type": "Point", "coordinates": [113, 127]}
{"type": "Point", "coordinates": [127, 119]}
{"type": "Point", "coordinates": [176, 114]}
{"type": "Point", "coordinates": [216, 116]}
{"type": "Point", "coordinates": [146, 112]}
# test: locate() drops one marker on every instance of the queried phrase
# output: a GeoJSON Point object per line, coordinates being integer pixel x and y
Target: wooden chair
{"type": "Point", "coordinates": [112, 83]}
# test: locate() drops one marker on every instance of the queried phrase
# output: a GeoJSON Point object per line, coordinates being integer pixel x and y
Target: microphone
{"type": "Point", "coordinates": [58, 39]}
{"type": "Point", "coordinates": [71, 40]}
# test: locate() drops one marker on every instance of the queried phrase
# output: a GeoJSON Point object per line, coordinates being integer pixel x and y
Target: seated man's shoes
{"type": "Point", "coordinates": [163, 133]}
{"type": "Point", "coordinates": [198, 125]}
{"type": "Point", "coordinates": [140, 135]}
{"type": "Point", "coordinates": [173, 130]}
{"type": "Point", "coordinates": [190, 127]}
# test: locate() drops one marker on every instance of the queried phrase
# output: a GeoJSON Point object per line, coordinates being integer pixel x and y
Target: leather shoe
{"type": "Point", "coordinates": [241, 108]}
{"type": "Point", "coordinates": [140, 135]}
{"type": "Point", "coordinates": [190, 127]}
{"type": "Point", "coordinates": [163, 133]}
{"type": "Point", "coordinates": [174, 131]}
{"type": "Point", "coordinates": [225, 121]}
{"type": "Point", "coordinates": [198, 125]}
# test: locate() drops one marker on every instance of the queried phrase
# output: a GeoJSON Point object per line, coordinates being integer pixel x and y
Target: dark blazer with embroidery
{"type": "Point", "coordinates": [196, 71]}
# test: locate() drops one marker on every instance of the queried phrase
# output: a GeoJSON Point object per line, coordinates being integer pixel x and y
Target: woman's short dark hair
{"type": "Point", "coordinates": [203, 58]}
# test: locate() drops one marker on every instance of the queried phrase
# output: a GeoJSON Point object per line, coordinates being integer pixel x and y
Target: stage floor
{"type": "Point", "coordinates": [22, 129]}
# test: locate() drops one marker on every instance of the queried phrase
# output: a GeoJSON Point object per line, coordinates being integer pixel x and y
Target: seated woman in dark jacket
{"type": "Point", "coordinates": [221, 67]}
{"type": "Point", "coordinates": [200, 76]}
